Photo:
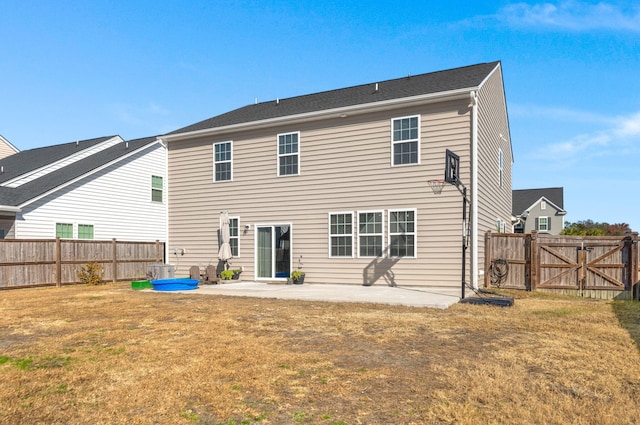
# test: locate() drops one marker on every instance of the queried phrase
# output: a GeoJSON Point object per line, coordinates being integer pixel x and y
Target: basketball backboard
{"type": "Point", "coordinates": [452, 168]}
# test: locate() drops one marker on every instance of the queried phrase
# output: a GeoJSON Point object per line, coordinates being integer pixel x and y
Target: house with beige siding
{"type": "Point", "coordinates": [335, 183]}
{"type": "Point", "coordinates": [6, 148]}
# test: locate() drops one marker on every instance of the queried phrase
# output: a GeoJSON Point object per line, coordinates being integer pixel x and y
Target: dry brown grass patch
{"type": "Point", "coordinates": [111, 355]}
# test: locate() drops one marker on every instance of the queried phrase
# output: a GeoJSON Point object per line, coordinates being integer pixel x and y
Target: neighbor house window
{"type": "Point", "coordinates": [85, 231]}
{"type": "Point", "coordinates": [402, 233]}
{"type": "Point", "coordinates": [405, 142]}
{"type": "Point", "coordinates": [288, 154]}
{"type": "Point", "coordinates": [500, 164]}
{"type": "Point", "coordinates": [341, 234]}
{"type": "Point", "coordinates": [543, 224]}
{"type": "Point", "coordinates": [156, 188]}
{"type": "Point", "coordinates": [64, 230]}
{"type": "Point", "coordinates": [1, 233]}
{"type": "Point", "coordinates": [234, 240]}
{"type": "Point", "coordinates": [370, 227]}
{"type": "Point", "coordinates": [222, 161]}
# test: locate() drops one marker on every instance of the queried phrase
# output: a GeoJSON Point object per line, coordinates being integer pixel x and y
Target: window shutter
{"type": "Point", "coordinates": [537, 225]}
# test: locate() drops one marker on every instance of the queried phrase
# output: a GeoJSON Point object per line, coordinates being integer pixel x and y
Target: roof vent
{"type": "Point", "coordinates": [376, 90]}
{"type": "Point", "coordinates": [277, 100]}
{"type": "Point", "coordinates": [2, 169]}
{"type": "Point", "coordinates": [77, 143]}
{"type": "Point", "coordinates": [126, 145]}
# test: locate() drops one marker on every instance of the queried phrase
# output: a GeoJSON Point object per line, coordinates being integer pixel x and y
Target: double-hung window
{"type": "Point", "coordinates": [234, 239]}
{"type": "Point", "coordinates": [543, 224]}
{"type": "Point", "coordinates": [64, 230]}
{"type": "Point", "coordinates": [222, 161]}
{"type": "Point", "coordinates": [288, 154]}
{"type": "Point", "coordinates": [156, 189]}
{"type": "Point", "coordinates": [405, 141]}
{"type": "Point", "coordinates": [402, 233]}
{"type": "Point", "coordinates": [500, 167]}
{"type": "Point", "coordinates": [341, 234]}
{"type": "Point", "coordinates": [85, 231]}
{"type": "Point", "coordinates": [370, 225]}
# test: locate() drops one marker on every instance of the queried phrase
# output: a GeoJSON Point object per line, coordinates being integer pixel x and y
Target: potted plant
{"type": "Point", "coordinates": [297, 277]}
{"type": "Point", "coordinates": [236, 274]}
{"type": "Point", "coordinates": [226, 276]}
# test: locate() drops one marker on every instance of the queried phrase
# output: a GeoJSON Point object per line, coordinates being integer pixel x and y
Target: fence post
{"type": "Point", "coordinates": [488, 257]}
{"type": "Point", "coordinates": [534, 259]}
{"type": "Point", "coordinates": [114, 253]}
{"type": "Point", "coordinates": [633, 266]}
{"type": "Point", "coordinates": [159, 259]}
{"type": "Point", "coordinates": [58, 263]}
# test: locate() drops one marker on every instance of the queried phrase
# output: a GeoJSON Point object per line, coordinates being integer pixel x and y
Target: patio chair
{"type": "Point", "coordinates": [211, 276]}
{"type": "Point", "coordinates": [194, 273]}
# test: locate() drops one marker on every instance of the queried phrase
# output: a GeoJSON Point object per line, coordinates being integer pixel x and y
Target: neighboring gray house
{"type": "Point", "coordinates": [102, 188]}
{"type": "Point", "coordinates": [336, 182]}
{"type": "Point", "coordinates": [538, 209]}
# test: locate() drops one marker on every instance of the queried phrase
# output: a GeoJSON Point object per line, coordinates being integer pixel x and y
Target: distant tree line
{"type": "Point", "coordinates": [593, 228]}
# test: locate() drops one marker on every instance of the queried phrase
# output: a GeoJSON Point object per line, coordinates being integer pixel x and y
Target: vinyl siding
{"type": "Point", "coordinates": [345, 165]}
{"type": "Point", "coordinates": [116, 201]}
{"type": "Point", "coordinates": [6, 149]}
{"type": "Point", "coordinates": [494, 202]}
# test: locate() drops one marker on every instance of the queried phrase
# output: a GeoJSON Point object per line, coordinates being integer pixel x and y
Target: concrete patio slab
{"type": "Point", "coordinates": [413, 296]}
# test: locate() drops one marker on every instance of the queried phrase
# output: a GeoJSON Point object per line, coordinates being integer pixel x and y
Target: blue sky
{"type": "Point", "coordinates": [74, 70]}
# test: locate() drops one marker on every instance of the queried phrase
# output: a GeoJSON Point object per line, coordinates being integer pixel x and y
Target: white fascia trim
{"type": "Point", "coordinates": [9, 144]}
{"type": "Point", "coordinates": [95, 170]}
{"type": "Point", "coordinates": [8, 183]}
{"type": "Point", "coordinates": [327, 113]}
{"type": "Point", "coordinates": [9, 208]}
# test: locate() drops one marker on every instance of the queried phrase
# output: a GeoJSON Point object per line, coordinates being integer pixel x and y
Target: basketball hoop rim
{"type": "Point", "coordinates": [436, 185]}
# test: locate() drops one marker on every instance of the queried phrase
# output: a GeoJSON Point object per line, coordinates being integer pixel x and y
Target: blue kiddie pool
{"type": "Point", "coordinates": [175, 284]}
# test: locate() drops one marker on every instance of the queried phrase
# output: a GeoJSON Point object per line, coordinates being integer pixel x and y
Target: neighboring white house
{"type": "Point", "coordinates": [100, 189]}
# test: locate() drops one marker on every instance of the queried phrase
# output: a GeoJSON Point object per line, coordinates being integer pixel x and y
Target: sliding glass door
{"type": "Point", "coordinates": [273, 251]}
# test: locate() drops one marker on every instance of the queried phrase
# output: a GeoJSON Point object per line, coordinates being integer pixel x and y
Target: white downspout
{"type": "Point", "coordinates": [474, 189]}
{"type": "Point", "coordinates": [166, 199]}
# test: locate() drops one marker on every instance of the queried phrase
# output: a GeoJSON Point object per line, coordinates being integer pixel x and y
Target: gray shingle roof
{"type": "Point", "coordinates": [414, 85]}
{"type": "Point", "coordinates": [19, 195]}
{"type": "Point", "coordinates": [524, 198]}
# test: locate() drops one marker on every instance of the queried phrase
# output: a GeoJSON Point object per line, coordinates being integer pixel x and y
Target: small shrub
{"type": "Point", "coordinates": [227, 274]}
{"type": "Point", "coordinates": [91, 273]}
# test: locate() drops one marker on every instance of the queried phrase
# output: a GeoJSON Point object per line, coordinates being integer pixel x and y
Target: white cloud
{"type": "Point", "coordinates": [622, 135]}
{"type": "Point", "coordinates": [572, 15]}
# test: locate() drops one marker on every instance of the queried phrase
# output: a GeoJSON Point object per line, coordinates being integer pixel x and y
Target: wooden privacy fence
{"type": "Point", "coordinates": [590, 266]}
{"type": "Point", "coordinates": [48, 262]}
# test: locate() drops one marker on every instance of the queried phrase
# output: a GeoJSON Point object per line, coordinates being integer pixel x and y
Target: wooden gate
{"type": "Point", "coordinates": [582, 264]}
{"type": "Point", "coordinates": [591, 266]}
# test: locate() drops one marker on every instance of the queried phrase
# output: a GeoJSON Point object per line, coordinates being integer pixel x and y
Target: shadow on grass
{"type": "Point", "coordinates": [628, 314]}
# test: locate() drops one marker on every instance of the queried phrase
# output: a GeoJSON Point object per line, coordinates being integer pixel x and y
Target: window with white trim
{"type": "Point", "coordinates": [500, 166]}
{"type": "Point", "coordinates": [288, 154]}
{"type": "Point", "coordinates": [156, 188]}
{"type": "Point", "coordinates": [85, 231]}
{"type": "Point", "coordinates": [222, 161]}
{"type": "Point", "coordinates": [402, 233]}
{"type": "Point", "coordinates": [64, 230]}
{"type": "Point", "coordinates": [542, 224]}
{"type": "Point", "coordinates": [234, 236]}
{"type": "Point", "coordinates": [341, 234]}
{"type": "Point", "coordinates": [370, 240]}
{"type": "Point", "coordinates": [405, 141]}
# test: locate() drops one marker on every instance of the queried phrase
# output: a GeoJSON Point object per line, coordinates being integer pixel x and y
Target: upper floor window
{"type": "Point", "coordinates": [222, 161]}
{"type": "Point", "coordinates": [543, 205]}
{"type": "Point", "coordinates": [341, 234]}
{"type": "Point", "coordinates": [543, 224]}
{"type": "Point", "coordinates": [370, 227]}
{"type": "Point", "coordinates": [156, 188]}
{"type": "Point", "coordinates": [405, 141]}
{"type": "Point", "coordinates": [500, 166]}
{"type": "Point", "coordinates": [288, 154]}
{"type": "Point", "coordinates": [402, 233]}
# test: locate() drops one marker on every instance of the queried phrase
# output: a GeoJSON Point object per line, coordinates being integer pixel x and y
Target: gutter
{"type": "Point", "coordinates": [9, 208]}
{"type": "Point", "coordinates": [326, 113]}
